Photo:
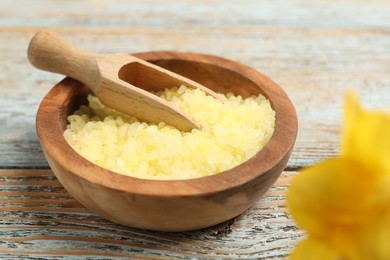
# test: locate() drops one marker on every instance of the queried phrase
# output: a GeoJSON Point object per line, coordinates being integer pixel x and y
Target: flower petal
{"type": "Point", "coordinates": [333, 198]}
{"type": "Point", "coordinates": [375, 240]}
{"type": "Point", "coordinates": [380, 241]}
{"type": "Point", "coordinates": [343, 203]}
{"type": "Point", "coordinates": [312, 248]}
{"type": "Point", "coordinates": [366, 136]}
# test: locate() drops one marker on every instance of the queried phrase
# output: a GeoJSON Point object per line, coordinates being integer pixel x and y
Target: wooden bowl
{"type": "Point", "coordinates": [176, 205]}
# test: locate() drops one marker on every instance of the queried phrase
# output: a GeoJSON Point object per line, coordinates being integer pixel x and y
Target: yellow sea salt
{"type": "Point", "coordinates": [232, 132]}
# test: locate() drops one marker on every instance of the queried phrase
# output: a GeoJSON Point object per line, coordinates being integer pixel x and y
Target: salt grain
{"type": "Point", "coordinates": [232, 133]}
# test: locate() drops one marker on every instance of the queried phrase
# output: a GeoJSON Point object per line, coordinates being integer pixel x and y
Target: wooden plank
{"type": "Point", "coordinates": [40, 219]}
{"type": "Point", "coordinates": [315, 67]}
{"type": "Point", "coordinates": [123, 13]}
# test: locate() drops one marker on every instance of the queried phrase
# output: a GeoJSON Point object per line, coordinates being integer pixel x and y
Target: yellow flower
{"type": "Point", "coordinates": [344, 203]}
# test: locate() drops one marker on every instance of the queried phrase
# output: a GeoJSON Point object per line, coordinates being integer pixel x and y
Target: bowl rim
{"type": "Point", "coordinates": [275, 151]}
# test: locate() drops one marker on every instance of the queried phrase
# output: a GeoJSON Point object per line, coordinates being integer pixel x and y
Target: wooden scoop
{"type": "Point", "coordinates": [119, 81]}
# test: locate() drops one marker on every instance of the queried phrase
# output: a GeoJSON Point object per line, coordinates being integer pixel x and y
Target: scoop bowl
{"type": "Point", "coordinates": [170, 205]}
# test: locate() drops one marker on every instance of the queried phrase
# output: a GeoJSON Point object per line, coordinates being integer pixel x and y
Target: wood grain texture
{"type": "Point", "coordinates": [124, 13]}
{"type": "Point", "coordinates": [40, 219]}
{"type": "Point", "coordinates": [315, 50]}
{"type": "Point", "coordinates": [171, 205]}
{"type": "Point", "coordinates": [315, 67]}
{"type": "Point", "coordinates": [112, 79]}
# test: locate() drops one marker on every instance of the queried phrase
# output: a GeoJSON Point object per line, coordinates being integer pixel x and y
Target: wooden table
{"type": "Point", "coordinates": [315, 50]}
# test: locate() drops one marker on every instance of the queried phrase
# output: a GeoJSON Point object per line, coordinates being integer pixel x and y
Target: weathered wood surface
{"type": "Point", "coordinates": [40, 219]}
{"type": "Point", "coordinates": [315, 50]}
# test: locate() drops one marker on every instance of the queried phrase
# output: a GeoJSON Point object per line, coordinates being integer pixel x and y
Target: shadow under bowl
{"type": "Point", "coordinates": [170, 205]}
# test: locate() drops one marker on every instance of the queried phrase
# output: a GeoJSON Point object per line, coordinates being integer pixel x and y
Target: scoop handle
{"type": "Point", "coordinates": [51, 52]}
